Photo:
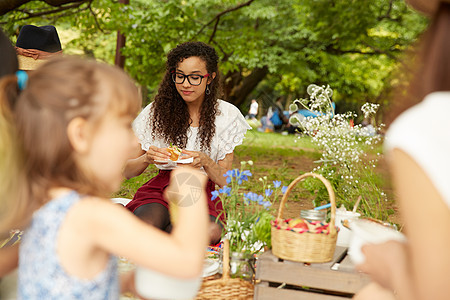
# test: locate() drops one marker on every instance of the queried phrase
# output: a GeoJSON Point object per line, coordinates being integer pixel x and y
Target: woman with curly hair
{"type": "Point", "coordinates": [186, 113]}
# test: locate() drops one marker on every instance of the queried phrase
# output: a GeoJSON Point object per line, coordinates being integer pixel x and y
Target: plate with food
{"type": "Point", "coordinates": [176, 156]}
{"type": "Point", "coordinates": [179, 161]}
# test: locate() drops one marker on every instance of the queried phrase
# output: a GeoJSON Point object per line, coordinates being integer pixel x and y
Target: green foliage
{"type": "Point", "coordinates": [130, 186]}
{"type": "Point", "coordinates": [354, 44]}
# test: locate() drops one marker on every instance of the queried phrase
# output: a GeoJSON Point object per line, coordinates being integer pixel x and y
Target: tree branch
{"type": "Point", "coordinates": [380, 51]}
{"type": "Point", "coordinates": [376, 51]}
{"type": "Point", "coordinates": [47, 12]}
{"type": "Point", "coordinates": [387, 15]}
{"type": "Point", "coordinates": [217, 17]}
{"type": "Point", "coordinates": [94, 16]}
{"type": "Point", "coordinates": [69, 13]}
{"type": "Point", "coordinates": [214, 30]}
{"type": "Point", "coordinates": [10, 5]}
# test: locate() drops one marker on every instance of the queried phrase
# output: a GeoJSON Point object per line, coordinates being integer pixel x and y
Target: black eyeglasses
{"type": "Point", "coordinates": [193, 79]}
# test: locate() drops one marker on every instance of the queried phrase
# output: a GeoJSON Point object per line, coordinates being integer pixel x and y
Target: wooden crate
{"type": "Point", "coordinates": [283, 279]}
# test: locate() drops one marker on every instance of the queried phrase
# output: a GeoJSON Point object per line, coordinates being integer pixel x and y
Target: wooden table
{"type": "Point", "coordinates": [283, 279]}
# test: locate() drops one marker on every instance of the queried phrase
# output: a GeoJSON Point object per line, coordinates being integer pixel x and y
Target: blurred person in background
{"type": "Point", "coordinates": [417, 145]}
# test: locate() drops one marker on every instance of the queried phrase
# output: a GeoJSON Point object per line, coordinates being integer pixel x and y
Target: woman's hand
{"type": "Point", "coordinates": [385, 262]}
{"type": "Point", "coordinates": [154, 153]}
{"type": "Point", "coordinates": [200, 159]}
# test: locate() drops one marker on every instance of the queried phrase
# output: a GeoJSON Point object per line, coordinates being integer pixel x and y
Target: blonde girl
{"type": "Point", "coordinates": [73, 119]}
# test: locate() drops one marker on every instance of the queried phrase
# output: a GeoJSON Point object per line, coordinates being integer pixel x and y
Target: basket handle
{"type": "Point", "coordinates": [226, 259]}
{"type": "Point", "coordinates": [330, 194]}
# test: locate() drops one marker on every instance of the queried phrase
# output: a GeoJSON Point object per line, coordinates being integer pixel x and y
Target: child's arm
{"type": "Point", "coordinates": [179, 254]}
{"type": "Point", "coordinates": [9, 259]}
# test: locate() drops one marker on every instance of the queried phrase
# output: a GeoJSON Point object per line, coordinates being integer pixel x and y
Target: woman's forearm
{"type": "Point", "coordinates": [216, 172]}
{"type": "Point", "coordinates": [136, 166]}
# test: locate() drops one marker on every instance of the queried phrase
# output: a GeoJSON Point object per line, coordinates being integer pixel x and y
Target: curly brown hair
{"type": "Point", "coordinates": [169, 107]}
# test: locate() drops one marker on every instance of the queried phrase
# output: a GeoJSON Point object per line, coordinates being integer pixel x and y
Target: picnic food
{"type": "Point", "coordinates": [301, 226]}
{"type": "Point", "coordinates": [174, 151]}
{"type": "Point", "coordinates": [298, 223]}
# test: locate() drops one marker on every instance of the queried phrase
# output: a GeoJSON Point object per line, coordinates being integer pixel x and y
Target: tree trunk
{"type": "Point", "coordinates": [237, 88]}
{"type": "Point", "coordinates": [120, 59]}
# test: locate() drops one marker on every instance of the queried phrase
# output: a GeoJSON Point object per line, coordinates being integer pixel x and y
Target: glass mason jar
{"type": "Point", "coordinates": [313, 215]}
{"type": "Point", "coordinates": [242, 265]}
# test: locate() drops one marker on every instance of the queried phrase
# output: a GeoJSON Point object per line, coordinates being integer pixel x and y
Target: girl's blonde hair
{"type": "Point", "coordinates": [57, 92]}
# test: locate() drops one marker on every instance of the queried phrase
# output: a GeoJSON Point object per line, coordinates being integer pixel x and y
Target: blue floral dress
{"type": "Point", "coordinates": [41, 275]}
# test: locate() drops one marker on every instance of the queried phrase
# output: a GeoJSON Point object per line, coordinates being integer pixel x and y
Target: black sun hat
{"type": "Point", "coordinates": [36, 44]}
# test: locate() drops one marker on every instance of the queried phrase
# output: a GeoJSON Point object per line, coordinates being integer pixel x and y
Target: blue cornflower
{"type": "Point", "coordinates": [245, 174]}
{"type": "Point", "coordinates": [251, 196]}
{"type": "Point", "coordinates": [284, 189]}
{"type": "Point", "coordinates": [229, 173]}
{"type": "Point", "coordinates": [214, 194]}
{"type": "Point", "coordinates": [225, 190]}
{"type": "Point", "coordinates": [276, 184]}
{"type": "Point", "coordinates": [260, 200]}
{"type": "Point", "coordinates": [268, 192]}
{"type": "Point", "coordinates": [267, 204]}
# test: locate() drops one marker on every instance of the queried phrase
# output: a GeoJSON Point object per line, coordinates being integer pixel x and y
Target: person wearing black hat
{"type": "Point", "coordinates": [417, 144]}
{"type": "Point", "coordinates": [36, 44]}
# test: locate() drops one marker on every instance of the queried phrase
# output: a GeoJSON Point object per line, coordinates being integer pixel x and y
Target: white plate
{"type": "Point", "coordinates": [180, 161]}
{"type": "Point", "coordinates": [369, 232]}
{"type": "Point", "coordinates": [211, 267]}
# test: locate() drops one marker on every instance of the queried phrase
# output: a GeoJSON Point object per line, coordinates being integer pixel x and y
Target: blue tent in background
{"type": "Point", "coordinates": [307, 113]}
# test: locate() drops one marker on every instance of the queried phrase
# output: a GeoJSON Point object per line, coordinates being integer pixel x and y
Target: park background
{"type": "Point", "coordinates": [268, 49]}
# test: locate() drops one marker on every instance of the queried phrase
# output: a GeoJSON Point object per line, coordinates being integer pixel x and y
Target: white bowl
{"type": "Point", "coordinates": [369, 232]}
{"type": "Point", "coordinates": [154, 285]}
{"type": "Point", "coordinates": [344, 235]}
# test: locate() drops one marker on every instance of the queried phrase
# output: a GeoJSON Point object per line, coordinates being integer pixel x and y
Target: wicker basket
{"type": "Point", "coordinates": [308, 246]}
{"type": "Point", "coordinates": [225, 287]}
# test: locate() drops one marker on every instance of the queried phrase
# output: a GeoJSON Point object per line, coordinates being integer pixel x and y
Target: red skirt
{"type": "Point", "coordinates": [153, 192]}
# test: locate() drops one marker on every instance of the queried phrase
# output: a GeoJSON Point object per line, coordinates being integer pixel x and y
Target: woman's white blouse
{"type": "Point", "coordinates": [423, 132]}
{"type": "Point", "coordinates": [231, 127]}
